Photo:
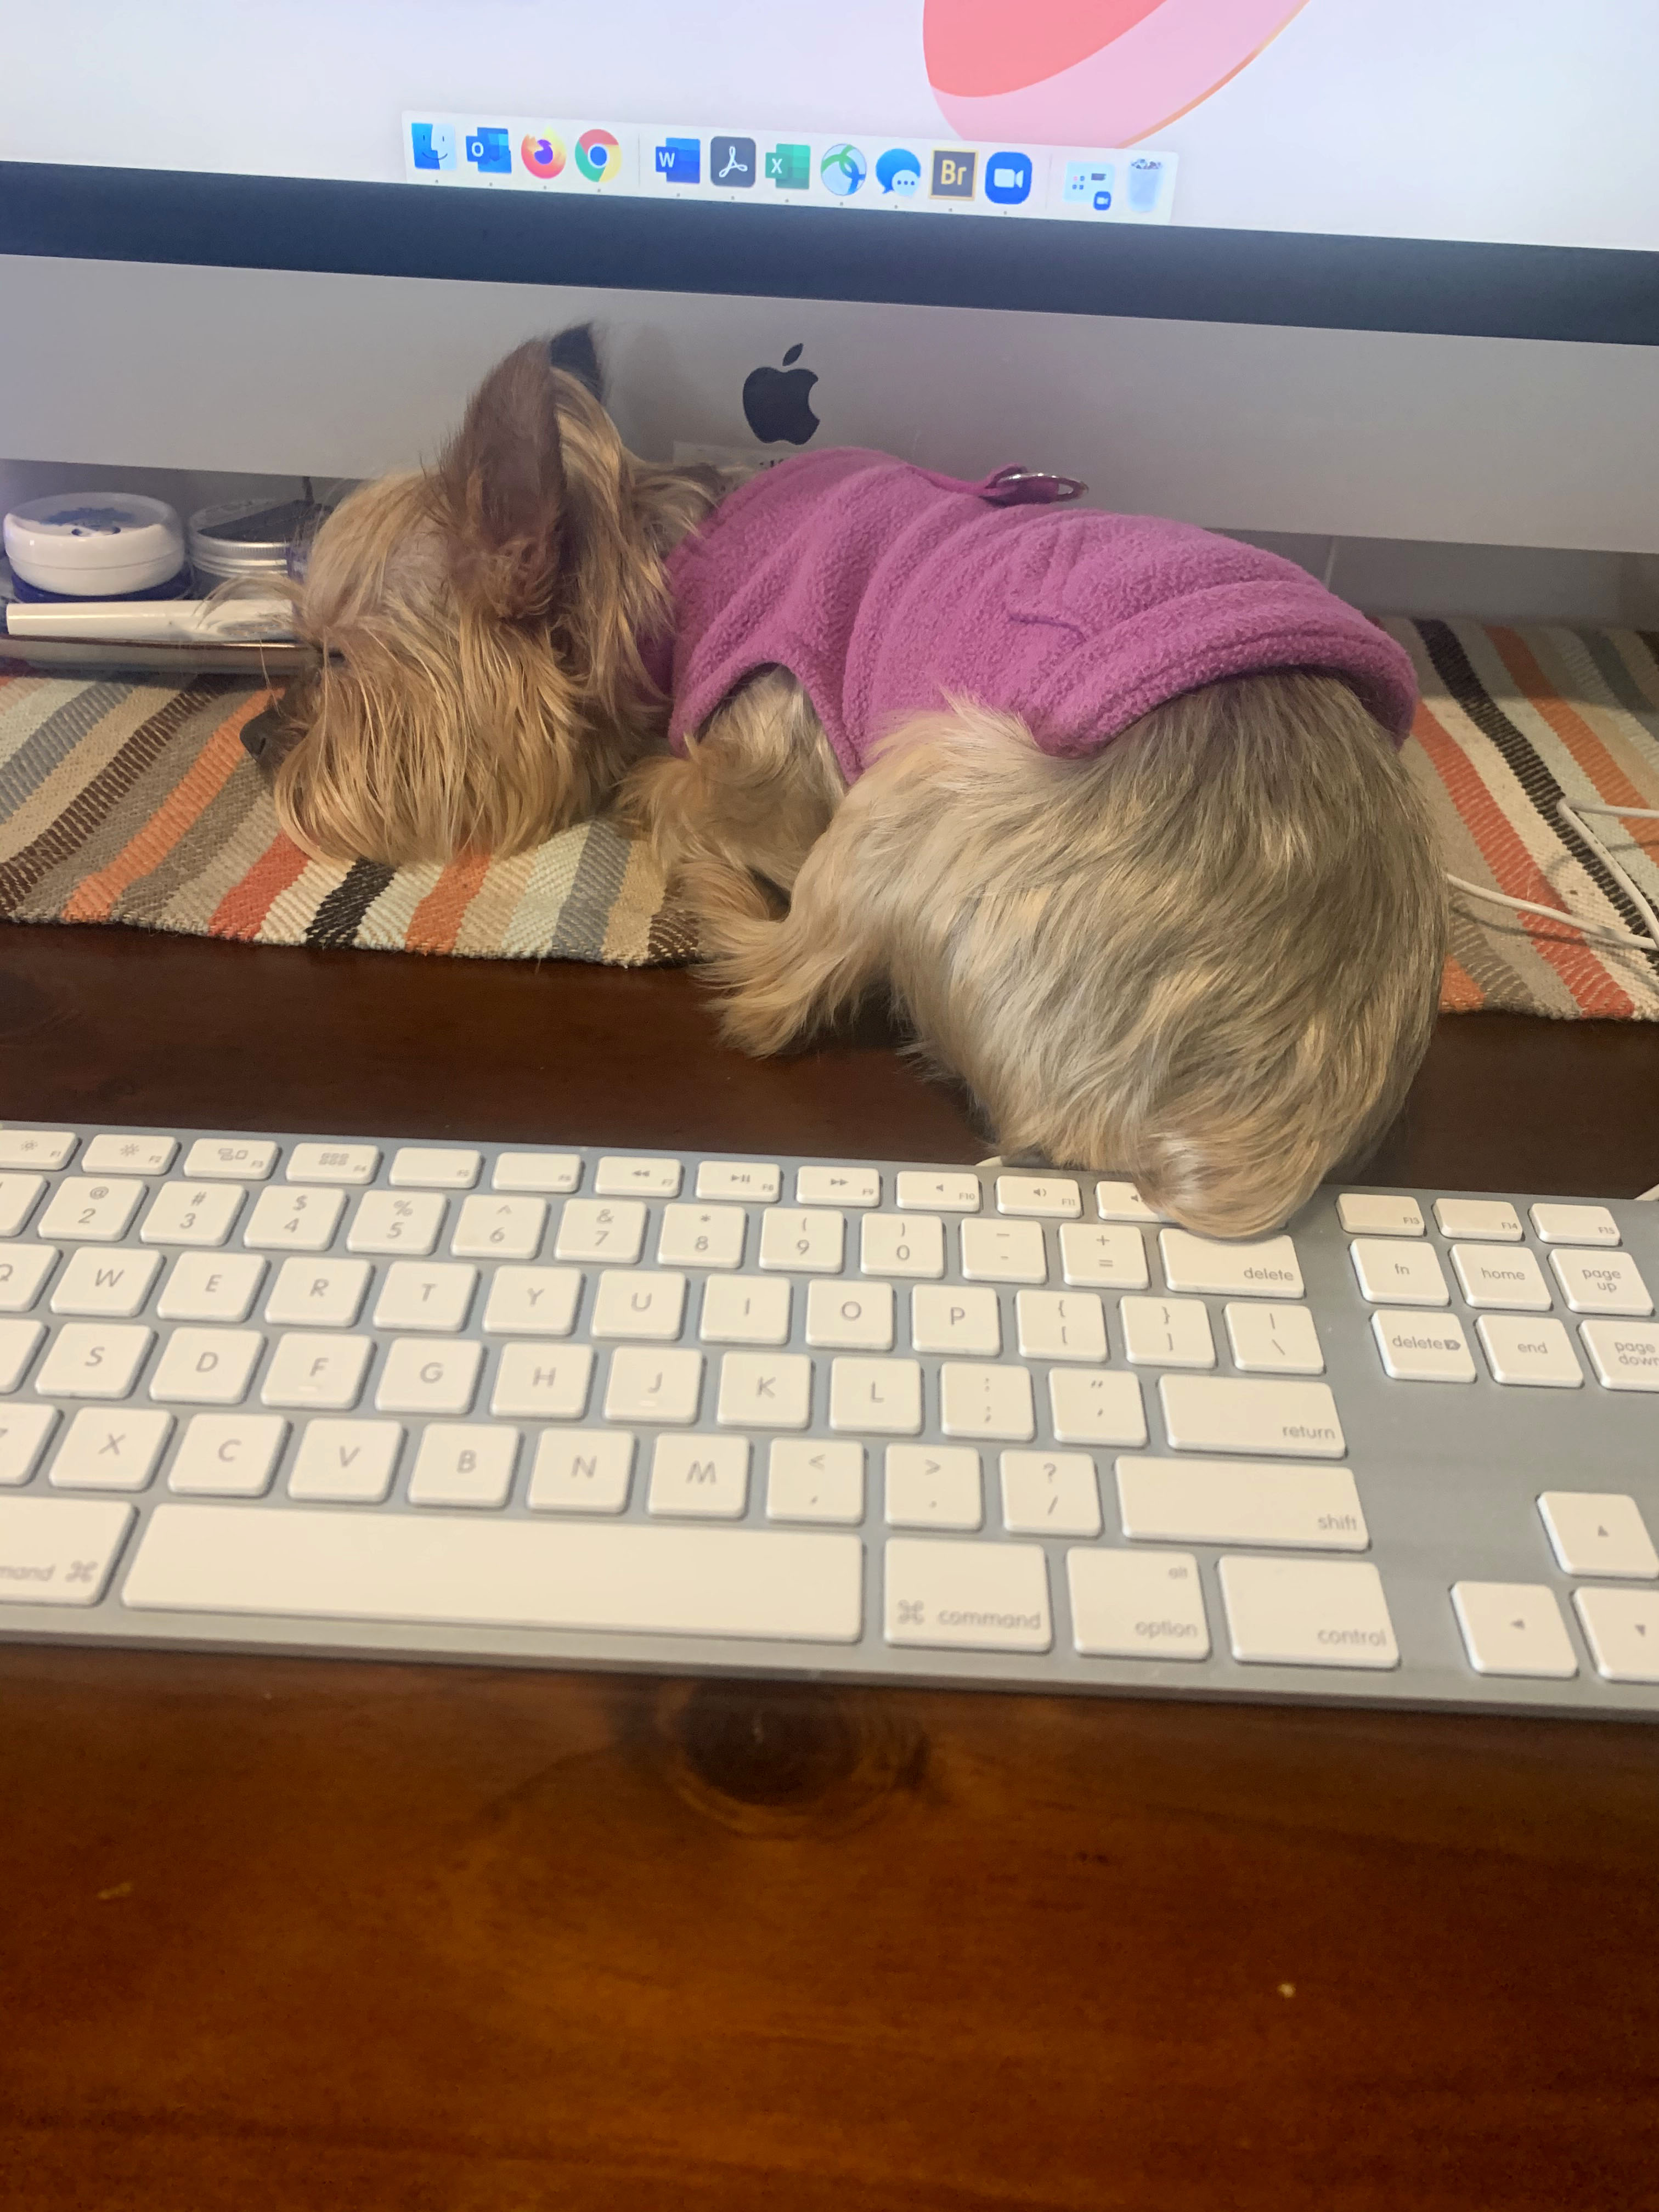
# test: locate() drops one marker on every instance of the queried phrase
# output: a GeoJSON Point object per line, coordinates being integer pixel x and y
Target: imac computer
{"type": "Point", "coordinates": [1364, 268]}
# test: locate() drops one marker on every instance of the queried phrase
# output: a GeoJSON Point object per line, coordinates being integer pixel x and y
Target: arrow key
{"type": "Point", "coordinates": [1622, 1629]}
{"type": "Point", "coordinates": [1599, 1533]}
{"type": "Point", "coordinates": [1514, 1628]}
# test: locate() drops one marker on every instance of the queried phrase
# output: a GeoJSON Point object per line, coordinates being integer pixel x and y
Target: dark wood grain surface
{"type": "Point", "coordinates": [328, 1936]}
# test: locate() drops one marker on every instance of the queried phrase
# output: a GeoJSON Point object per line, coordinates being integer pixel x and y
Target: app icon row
{"type": "Point", "coordinates": [1136, 185]}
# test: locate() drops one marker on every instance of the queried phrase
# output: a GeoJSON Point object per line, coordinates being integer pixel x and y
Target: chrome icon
{"type": "Point", "coordinates": [598, 156]}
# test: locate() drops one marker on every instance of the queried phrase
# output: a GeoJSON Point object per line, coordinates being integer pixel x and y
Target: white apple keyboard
{"type": "Point", "coordinates": [824, 1418]}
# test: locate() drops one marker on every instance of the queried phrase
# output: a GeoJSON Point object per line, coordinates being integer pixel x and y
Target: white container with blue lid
{"type": "Point", "coordinates": [95, 545]}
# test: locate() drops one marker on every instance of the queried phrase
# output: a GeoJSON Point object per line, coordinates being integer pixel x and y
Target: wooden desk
{"type": "Point", "coordinates": [281, 1934]}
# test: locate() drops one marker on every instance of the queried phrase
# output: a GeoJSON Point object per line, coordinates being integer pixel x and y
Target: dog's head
{"type": "Point", "coordinates": [480, 625]}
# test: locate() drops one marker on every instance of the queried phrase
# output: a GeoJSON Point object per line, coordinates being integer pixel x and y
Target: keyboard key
{"type": "Point", "coordinates": [1121, 1202]}
{"type": "Point", "coordinates": [581, 1471]}
{"type": "Point", "coordinates": [1274, 1339]}
{"type": "Point", "coordinates": [619, 1576]}
{"type": "Point", "coordinates": [429, 1377]}
{"type": "Point", "coordinates": [112, 1283]}
{"type": "Point", "coordinates": [498, 1228]}
{"type": "Point", "coordinates": [933, 1486]}
{"type": "Point", "coordinates": [229, 1454]}
{"type": "Point", "coordinates": [192, 1213]}
{"type": "Point", "coordinates": [1574, 1225]}
{"type": "Point", "coordinates": [1112, 1259]}
{"type": "Point", "coordinates": [58, 1551]}
{"type": "Point", "coordinates": [1490, 1275]}
{"type": "Point", "coordinates": [85, 1209]}
{"type": "Point", "coordinates": [1624, 1354]}
{"type": "Point", "coordinates": [953, 1319]}
{"type": "Point", "coordinates": [1393, 1274]}
{"type": "Point", "coordinates": [595, 1229]}
{"type": "Point", "coordinates": [850, 1316]}
{"type": "Point", "coordinates": [23, 1271]}
{"type": "Point", "coordinates": [551, 1173]}
{"type": "Point", "coordinates": [1167, 1332]}
{"type": "Point", "coordinates": [1621, 1627]}
{"type": "Point", "coordinates": [345, 1462]}
{"type": "Point", "coordinates": [902, 1244]}
{"type": "Point", "coordinates": [1514, 1628]}
{"type": "Point", "coordinates": [648, 1385]}
{"type": "Point", "coordinates": [639, 1304]}
{"type": "Point", "coordinates": [1538, 1352]}
{"type": "Point", "coordinates": [385, 1222]}
{"type": "Point", "coordinates": [543, 1381]}
{"type": "Point", "coordinates": [1048, 1197]}
{"type": "Point", "coordinates": [86, 1359]}
{"type": "Point", "coordinates": [1423, 1347]}
{"type": "Point", "coordinates": [425, 1294]}
{"type": "Point", "coordinates": [1379, 1214]}
{"type": "Point", "coordinates": [1060, 1325]}
{"type": "Point", "coordinates": [232, 1159]}
{"type": "Point", "coordinates": [765, 1390]}
{"type": "Point", "coordinates": [1137, 1605]}
{"type": "Point", "coordinates": [838, 1187]}
{"type": "Point", "coordinates": [1003, 1252]}
{"type": "Point", "coordinates": [1213, 1413]}
{"type": "Point", "coordinates": [285, 1219]}
{"type": "Point", "coordinates": [1593, 1282]}
{"type": "Point", "coordinates": [464, 1464]}
{"type": "Point", "coordinates": [882, 1397]}
{"type": "Point", "coordinates": [1095, 1408]}
{"type": "Point", "coordinates": [1489, 1218]}
{"type": "Point", "coordinates": [324, 1372]}
{"type": "Point", "coordinates": [986, 1401]}
{"type": "Point", "coordinates": [36, 1148]}
{"type": "Point", "coordinates": [808, 1243]}
{"type": "Point", "coordinates": [1307, 1613]}
{"type": "Point", "coordinates": [967, 1597]}
{"type": "Point", "coordinates": [758, 1180]}
{"type": "Point", "coordinates": [702, 1236]}
{"type": "Point", "coordinates": [213, 1286]}
{"type": "Point", "coordinates": [113, 1450]}
{"type": "Point", "coordinates": [425, 1167]}
{"type": "Point", "coordinates": [745, 1309]}
{"type": "Point", "coordinates": [1596, 1532]}
{"type": "Point", "coordinates": [19, 1194]}
{"type": "Point", "coordinates": [922, 1191]}
{"type": "Point", "coordinates": [23, 1433]}
{"type": "Point", "coordinates": [333, 1164]}
{"type": "Point", "coordinates": [618, 1176]}
{"type": "Point", "coordinates": [1229, 1501]}
{"type": "Point", "coordinates": [532, 1301]}
{"type": "Point", "coordinates": [206, 1366]}
{"type": "Point", "coordinates": [705, 1475]}
{"type": "Point", "coordinates": [1050, 1494]}
{"type": "Point", "coordinates": [1268, 1269]}
{"type": "Point", "coordinates": [318, 1293]}
{"type": "Point", "coordinates": [813, 1481]}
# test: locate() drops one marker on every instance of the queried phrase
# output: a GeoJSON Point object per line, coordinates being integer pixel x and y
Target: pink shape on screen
{"type": "Point", "coordinates": [1149, 70]}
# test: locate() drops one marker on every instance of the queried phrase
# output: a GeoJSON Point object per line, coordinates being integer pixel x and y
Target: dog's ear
{"type": "Point", "coordinates": [503, 484]}
{"type": "Point", "coordinates": [573, 351]}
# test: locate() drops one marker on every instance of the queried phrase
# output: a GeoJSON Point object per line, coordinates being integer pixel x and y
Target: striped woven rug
{"type": "Point", "coordinates": [133, 802]}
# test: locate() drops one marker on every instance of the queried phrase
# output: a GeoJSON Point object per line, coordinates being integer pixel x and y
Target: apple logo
{"type": "Point", "coordinates": [776, 403]}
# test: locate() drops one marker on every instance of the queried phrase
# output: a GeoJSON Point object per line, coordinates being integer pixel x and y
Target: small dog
{"type": "Point", "coordinates": [1112, 809]}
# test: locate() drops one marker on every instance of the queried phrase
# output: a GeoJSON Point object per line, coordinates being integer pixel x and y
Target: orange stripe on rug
{"type": "Point", "coordinates": [436, 922]}
{"type": "Point", "coordinates": [1586, 747]}
{"type": "Point", "coordinates": [1459, 992]}
{"type": "Point", "coordinates": [92, 898]}
{"type": "Point", "coordinates": [242, 910]}
{"type": "Point", "coordinates": [1516, 872]}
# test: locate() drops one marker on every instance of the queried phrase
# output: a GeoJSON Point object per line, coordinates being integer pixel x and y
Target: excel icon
{"type": "Point", "coordinates": [790, 167]}
{"type": "Point", "coordinates": [953, 176]}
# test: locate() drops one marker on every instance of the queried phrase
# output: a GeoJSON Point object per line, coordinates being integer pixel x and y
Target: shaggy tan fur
{"type": "Point", "coordinates": [1207, 956]}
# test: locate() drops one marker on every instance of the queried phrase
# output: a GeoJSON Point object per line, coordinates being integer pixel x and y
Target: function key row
{"type": "Point", "coordinates": [1387, 1213]}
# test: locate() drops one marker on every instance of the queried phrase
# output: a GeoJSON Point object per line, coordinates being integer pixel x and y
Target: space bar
{"type": "Point", "coordinates": [618, 1577]}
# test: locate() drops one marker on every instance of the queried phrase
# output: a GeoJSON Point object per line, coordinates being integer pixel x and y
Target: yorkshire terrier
{"type": "Point", "coordinates": [1111, 809]}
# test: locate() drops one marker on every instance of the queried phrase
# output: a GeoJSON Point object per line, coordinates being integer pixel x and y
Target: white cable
{"type": "Point", "coordinates": [1643, 813]}
{"type": "Point", "coordinates": [1610, 930]}
{"type": "Point", "coordinates": [1613, 932]}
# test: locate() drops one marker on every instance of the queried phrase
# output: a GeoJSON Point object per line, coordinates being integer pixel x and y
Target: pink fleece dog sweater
{"type": "Point", "coordinates": [886, 590]}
